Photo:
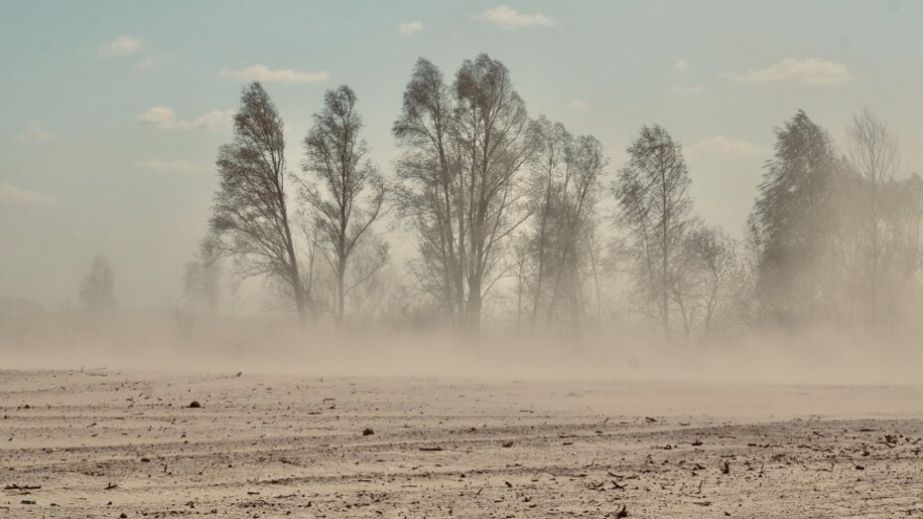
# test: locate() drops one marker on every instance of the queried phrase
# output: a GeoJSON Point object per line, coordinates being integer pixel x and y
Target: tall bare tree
{"type": "Point", "coordinates": [430, 189]}
{"type": "Point", "coordinates": [874, 153]}
{"type": "Point", "coordinates": [652, 192]}
{"type": "Point", "coordinates": [351, 193]}
{"type": "Point", "coordinates": [250, 212]}
{"type": "Point", "coordinates": [564, 193]}
{"type": "Point", "coordinates": [460, 175]}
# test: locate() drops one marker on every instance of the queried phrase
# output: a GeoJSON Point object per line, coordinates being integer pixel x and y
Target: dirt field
{"type": "Point", "coordinates": [114, 444]}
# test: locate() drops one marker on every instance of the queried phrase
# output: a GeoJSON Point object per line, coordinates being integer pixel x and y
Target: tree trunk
{"type": "Point", "coordinates": [473, 318]}
{"type": "Point", "coordinates": [341, 292]}
{"type": "Point", "coordinates": [294, 274]}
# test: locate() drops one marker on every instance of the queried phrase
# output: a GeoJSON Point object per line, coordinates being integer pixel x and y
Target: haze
{"type": "Point", "coordinates": [614, 259]}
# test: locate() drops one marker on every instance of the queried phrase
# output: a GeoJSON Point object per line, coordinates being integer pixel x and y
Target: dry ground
{"type": "Point", "coordinates": [101, 443]}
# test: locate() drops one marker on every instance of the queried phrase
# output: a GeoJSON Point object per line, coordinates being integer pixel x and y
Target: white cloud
{"type": "Point", "coordinates": [578, 104]}
{"type": "Point", "coordinates": [688, 89]}
{"type": "Point", "coordinates": [268, 75]}
{"type": "Point", "coordinates": [121, 46]}
{"type": "Point", "coordinates": [681, 66]}
{"type": "Point", "coordinates": [408, 28]}
{"type": "Point", "coordinates": [34, 133]}
{"type": "Point", "coordinates": [16, 197]}
{"type": "Point", "coordinates": [724, 147]}
{"type": "Point", "coordinates": [170, 166]}
{"type": "Point", "coordinates": [165, 118]}
{"type": "Point", "coordinates": [148, 62]}
{"type": "Point", "coordinates": [793, 70]}
{"type": "Point", "coordinates": [160, 116]}
{"type": "Point", "coordinates": [506, 17]}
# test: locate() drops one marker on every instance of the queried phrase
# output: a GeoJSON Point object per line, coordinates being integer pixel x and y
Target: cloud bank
{"type": "Point", "coordinates": [165, 118]}
{"type": "Point", "coordinates": [799, 71]}
{"type": "Point", "coordinates": [408, 28]}
{"type": "Point", "coordinates": [120, 46]}
{"type": "Point", "coordinates": [11, 195]}
{"type": "Point", "coordinates": [267, 75]}
{"type": "Point", "coordinates": [505, 17]}
{"type": "Point", "coordinates": [724, 147]}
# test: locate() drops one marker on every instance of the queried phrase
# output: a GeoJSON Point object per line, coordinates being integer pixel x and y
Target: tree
{"type": "Point", "coordinates": [875, 154]}
{"type": "Point", "coordinates": [97, 291]}
{"type": "Point", "coordinates": [792, 221]}
{"type": "Point", "coordinates": [654, 206]}
{"type": "Point", "coordinates": [902, 245]}
{"type": "Point", "coordinates": [429, 189]}
{"type": "Point", "coordinates": [352, 192]}
{"type": "Point", "coordinates": [557, 245]}
{"type": "Point", "coordinates": [460, 178]}
{"type": "Point", "coordinates": [250, 211]}
{"type": "Point", "coordinates": [708, 280]}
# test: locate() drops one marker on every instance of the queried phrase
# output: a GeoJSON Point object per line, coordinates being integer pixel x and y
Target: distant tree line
{"type": "Point", "coordinates": [506, 213]}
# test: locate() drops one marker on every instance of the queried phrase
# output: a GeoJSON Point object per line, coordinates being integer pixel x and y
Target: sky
{"type": "Point", "coordinates": [112, 112]}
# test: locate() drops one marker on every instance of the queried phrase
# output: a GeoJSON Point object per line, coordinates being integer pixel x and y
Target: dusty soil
{"type": "Point", "coordinates": [100, 443]}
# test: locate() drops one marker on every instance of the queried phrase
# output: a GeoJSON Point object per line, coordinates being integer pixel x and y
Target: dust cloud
{"type": "Point", "coordinates": [464, 284]}
{"type": "Point", "coordinates": [148, 340]}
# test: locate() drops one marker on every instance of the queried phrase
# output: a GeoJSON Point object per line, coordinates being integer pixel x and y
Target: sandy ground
{"type": "Point", "coordinates": [101, 443]}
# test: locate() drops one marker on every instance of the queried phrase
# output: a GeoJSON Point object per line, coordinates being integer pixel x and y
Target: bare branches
{"type": "Point", "coordinates": [873, 151]}
{"type": "Point", "coordinates": [654, 205]}
{"type": "Point", "coordinates": [554, 255]}
{"type": "Point", "coordinates": [337, 157]}
{"type": "Point", "coordinates": [250, 213]}
{"type": "Point", "coordinates": [464, 148]}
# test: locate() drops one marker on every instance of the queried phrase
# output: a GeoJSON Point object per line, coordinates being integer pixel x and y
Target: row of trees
{"type": "Point", "coordinates": [836, 236]}
{"type": "Point", "coordinates": [505, 210]}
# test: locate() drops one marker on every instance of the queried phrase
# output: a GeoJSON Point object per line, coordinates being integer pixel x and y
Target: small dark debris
{"type": "Point", "coordinates": [14, 486]}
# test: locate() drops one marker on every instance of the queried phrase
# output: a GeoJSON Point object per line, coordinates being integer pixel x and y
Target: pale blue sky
{"type": "Point", "coordinates": [85, 167]}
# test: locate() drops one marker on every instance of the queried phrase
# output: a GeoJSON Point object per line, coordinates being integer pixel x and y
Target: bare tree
{"type": "Point", "coordinates": [707, 280]}
{"type": "Point", "coordinates": [875, 154]}
{"type": "Point", "coordinates": [430, 186]}
{"type": "Point", "coordinates": [97, 291]}
{"type": "Point", "coordinates": [558, 244]}
{"type": "Point", "coordinates": [652, 191]}
{"type": "Point", "coordinates": [352, 192]}
{"type": "Point", "coordinates": [550, 167]}
{"type": "Point", "coordinates": [250, 208]}
{"type": "Point", "coordinates": [464, 150]}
